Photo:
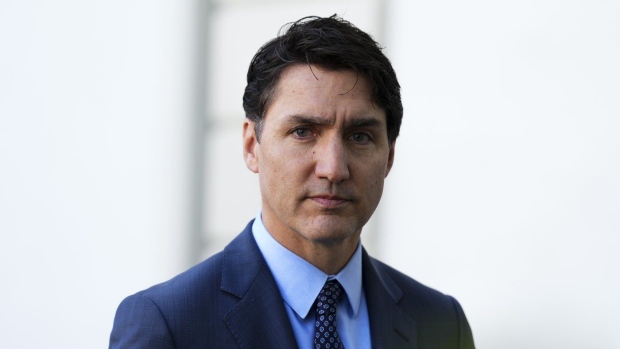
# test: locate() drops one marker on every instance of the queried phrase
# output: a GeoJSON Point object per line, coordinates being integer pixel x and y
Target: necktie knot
{"type": "Point", "coordinates": [326, 335]}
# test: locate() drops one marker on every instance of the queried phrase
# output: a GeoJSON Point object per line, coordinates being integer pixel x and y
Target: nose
{"type": "Point", "coordinates": [331, 160]}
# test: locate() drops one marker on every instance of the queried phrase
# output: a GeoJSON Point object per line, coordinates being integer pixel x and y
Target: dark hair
{"type": "Point", "coordinates": [330, 43]}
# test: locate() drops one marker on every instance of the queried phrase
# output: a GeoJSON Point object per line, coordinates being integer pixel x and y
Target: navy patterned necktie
{"type": "Point", "coordinates": [325, 333]}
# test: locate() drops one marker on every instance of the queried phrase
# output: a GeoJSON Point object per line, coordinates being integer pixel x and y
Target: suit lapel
{"type": "Point", "coordinates": [390, 326]}
{"type": "Point", "coordinates": [259, 319]}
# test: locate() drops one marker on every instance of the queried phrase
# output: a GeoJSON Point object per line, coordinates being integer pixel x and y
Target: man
{"type": "Point", "coordinates": [323, 111]}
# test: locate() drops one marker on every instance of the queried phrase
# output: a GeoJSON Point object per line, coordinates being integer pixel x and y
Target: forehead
{"type": "Point", "coordinates": [315, 91]}
{"type": "Point", "coordinates": [317, 77]}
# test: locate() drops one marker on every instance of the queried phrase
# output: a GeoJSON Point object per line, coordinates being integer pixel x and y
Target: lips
{"type": "Point", "coordinates": [329, 201]}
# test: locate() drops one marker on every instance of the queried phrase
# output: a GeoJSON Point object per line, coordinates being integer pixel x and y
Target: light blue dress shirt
{"type": "Point", "coordinates": [300, 283]}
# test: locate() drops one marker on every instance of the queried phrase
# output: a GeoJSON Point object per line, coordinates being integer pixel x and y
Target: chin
{"type": "Point", "coordinates": [330, 230]}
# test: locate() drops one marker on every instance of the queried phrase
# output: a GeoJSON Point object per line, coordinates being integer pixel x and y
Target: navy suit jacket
{"type": "Point", "coordinates": [231, 300]}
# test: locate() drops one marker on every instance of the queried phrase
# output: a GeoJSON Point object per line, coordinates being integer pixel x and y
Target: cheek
{"type": "Point", "coordinates": [372, 169]}
{"type": "Point", "coordinates": [285, 169]}
{"type": "Point", "coordinates": [371, 177]}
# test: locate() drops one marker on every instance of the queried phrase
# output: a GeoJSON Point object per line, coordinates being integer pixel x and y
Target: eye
{"type": "Point", "coordinates": [360, 138]}
{"type": "Point", "coordinates": [302, 132]}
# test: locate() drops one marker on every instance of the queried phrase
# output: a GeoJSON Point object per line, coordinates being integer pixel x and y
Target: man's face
{"type": "Point", "coordinates": [322, 158]}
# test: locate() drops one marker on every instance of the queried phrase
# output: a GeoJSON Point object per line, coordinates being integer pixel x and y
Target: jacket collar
{"type": "Point", "coordinates": [245, 275]}
{"type": "Point", "coordinates": [390, 326]}
{"type": "Point", "coordinates": [259, 320]}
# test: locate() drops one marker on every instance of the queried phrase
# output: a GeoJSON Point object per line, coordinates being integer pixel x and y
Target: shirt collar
{"type": "Point", "coordinates": [299, 281]}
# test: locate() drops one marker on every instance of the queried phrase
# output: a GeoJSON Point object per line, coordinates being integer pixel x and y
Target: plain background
{"type": "Point", "coordinates": [505, 191]}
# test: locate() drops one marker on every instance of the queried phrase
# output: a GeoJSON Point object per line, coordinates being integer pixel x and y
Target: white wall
{"type": "Point", "coordinates": [95, 110]}
{"type": "Point", "coordinates": [504, 191]}
{"type": "Point", "coordinates": [506, 186]}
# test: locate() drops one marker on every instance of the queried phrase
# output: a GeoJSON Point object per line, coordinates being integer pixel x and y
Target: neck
{"type": "Point", "coordinates": [329, 256]}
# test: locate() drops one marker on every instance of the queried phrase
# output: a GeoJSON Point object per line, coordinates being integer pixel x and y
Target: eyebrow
{"type": "Point", "coordinates": [309, 119]}
{"type": "Point", "coordinates": [323, 121]}
{"type": "Point", "coordinates": [364, 122]}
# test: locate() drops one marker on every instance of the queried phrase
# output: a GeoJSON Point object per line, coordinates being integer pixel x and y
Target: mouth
{"type": "Point", "coordinates": [329, 201]}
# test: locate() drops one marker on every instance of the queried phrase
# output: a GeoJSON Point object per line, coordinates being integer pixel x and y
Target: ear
{"type": "Point", "coordinates": [390, 159]}
{"type": "Point", "coordinates": [250, 146]}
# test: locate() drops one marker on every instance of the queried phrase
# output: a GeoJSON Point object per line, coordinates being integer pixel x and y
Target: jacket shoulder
{"type": "Point", "coordinates": [198, 279]}
{"type": "Point", "coordinates": [189, 308]}
{"type": "Point", "coordinates": [408, 285]}
{"type": "Point", "coordinates": [157, 317]}
{"type": "Point", "coordinates": [438, 316]}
